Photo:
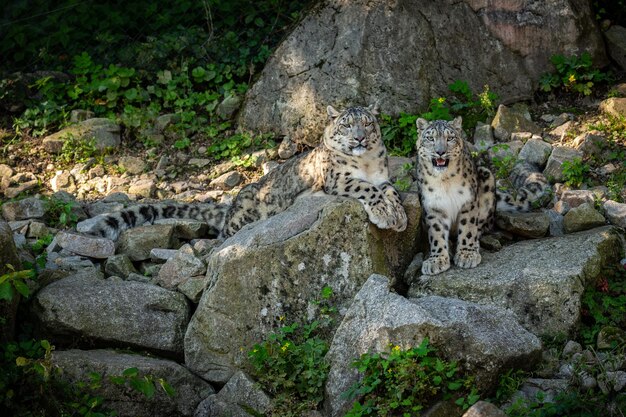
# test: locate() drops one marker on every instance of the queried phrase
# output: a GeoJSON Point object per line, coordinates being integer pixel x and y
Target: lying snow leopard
{"type": "Point", "coordinates": [459, 197]}
{"type": "Point", "coordinates": [350, 161]}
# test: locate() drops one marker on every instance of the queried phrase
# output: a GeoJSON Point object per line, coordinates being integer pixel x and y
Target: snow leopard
{"type": "Point", "coordinates": [459, 198]}
{"type": "Point", "coordinates": [350, 161]}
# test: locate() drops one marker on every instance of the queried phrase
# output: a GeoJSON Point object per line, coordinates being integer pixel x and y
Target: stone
{"type": "Point", "coordinates": [192, 288]}
{"type": "Point", "coordinates": [484, 409]}
{"type": "Point", "coordinates": [144, 188]}
{"type": "Point", "coordinates": [180, 268]}
{"type": "Point", "coordinates": [190, 390]}
{"type": "Point", "coordinates": [541, 280]}
{"type": "Point", "coordinates": [614, 106]}
{"type": "Point", "coordinates": [37, 230]}
{"type": "Point", "coordinates": [227, 181]}
{"type": "Point", "coordinates": [609, 337]}
{"type": "Point", "coordinates": [355, 61]}
{"type": "Point", "coordinates": [320, 240]}
{"type": "Point", "coordinates": [78, 115]}
{"type": "Point", "coordinates": [523, 136]}
{"type": "Point", "coordinates": [165, 120]}
{"type": "Point", "coordinates": [229, 106]}
{"type": "Point", "coordinates": [23, 182]}
{"type": "Point", "coordinates": [63, 180]}
{"type": "Point", "coordinates": [483, 136]}
{"type": "Point", "coordinates": [571, 347]}
{"type": "Point", "coordinates": [574, 198]}
{"type": "Point", "coordinates": [549, 388]}
{"type": "Point", "coordinates": [615, 212]}
{"type": "Point", "coordinates": [71, 263]}
{"type": "Point", "coordinates": [561, 131]}
{"type": "Point", "coordinates": [139, 315]}
{"type": "Point", "coordinates": [486, 339]}
{"type": "Point", "coordinates": [104, 132]}
{"type": "Point", "coordinates": [137, 242]}
{"type": "Point", "coordinates": [287, 148]}
{"type": "Point", "coordinates": [583, 217]}
{"type": "Point", "coordinates": [132, 165]}
{"type": "Point", "coordinates": [556, 223]}
{"type": "Point", "coordinates": [561, 119]}
{"type": "Point", "coordinates": [504, 150]}
{"type": "Point", "coordinates": [512, 119]}
{"type": "Point", "coordinates": [187, 228]}
{"type": "Point", "coordinates": [536, 151]}
{"type": "Point", "coordinates": [91, 246]}
{"type": "Point", "coordinates": [119, 265]}
{"type": "Point", "coordinates": [529, 225]}
{"type": "Point", "coordinates": [591, 143]}
{"type": "Point", "coordinates": [159, 255]}
{"type": "Point", "coordinates": [554, 167]}
{"type": "Point", "coordinates": [615, 38]}
{"type": "Point", "coordinates": [237, 398]}
{"type": "Point", "coordinates": [27, 208]}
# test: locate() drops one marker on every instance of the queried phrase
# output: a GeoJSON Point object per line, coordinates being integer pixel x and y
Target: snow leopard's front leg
{"type": "Point", "coordinates": [438, 224]}
{"type": "Point", "coordinates": [382, 206]}
{"type": "Point", "coordinates": [467, 250]}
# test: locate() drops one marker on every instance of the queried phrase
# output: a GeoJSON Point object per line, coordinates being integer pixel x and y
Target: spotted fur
{"type": "Point", "coordinates": [527, 187]}
{"type": "Point", "coordinates": [351, 161]}
{"type": "Point", "coordinates": [457, 196]}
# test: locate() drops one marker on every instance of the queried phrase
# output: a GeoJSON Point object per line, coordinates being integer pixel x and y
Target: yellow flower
{"type": "Point", "coordinates": [281, 318]}
{"type": "Point", "coordinates": [396, 348]}
{"type": "Point", "coordinates": [572, 79]}
{"type": "Point", "coordinates": [441, 100]}
{"type": "Point", "coordinates": [285, 346]}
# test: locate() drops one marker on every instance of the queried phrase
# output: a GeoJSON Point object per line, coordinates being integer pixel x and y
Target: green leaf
{"type": "Point", "coordinates": [130, 372]}
{"type": "Point", "coordinates": [6, 291]}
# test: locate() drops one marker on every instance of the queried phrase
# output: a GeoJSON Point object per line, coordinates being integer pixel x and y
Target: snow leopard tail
{"type": "Point", "coordinates": [527, 188]}
{"type": "Point", "coordinates": [111, 225]}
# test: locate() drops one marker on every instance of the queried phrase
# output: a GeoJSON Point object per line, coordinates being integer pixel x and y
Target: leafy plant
{"type": "Point", "coordinates": [503, 161]}
{"type": "Point", "coordinates": [575, 172]}
{"type": "Point", "coordinates": [509, 383]}
{"type": "Point", "coordinates": [144, 384]}
{"type": "Point", "coordinates": [405, 382]}
{"type": "Point", "coordinates": [13, 282]}
{"type": "Point", "coordinates": [564, 404]}
{"type": "Point", "coordinates": [573, 74]}
{"type": "Point", "coordinates": [61, 213]}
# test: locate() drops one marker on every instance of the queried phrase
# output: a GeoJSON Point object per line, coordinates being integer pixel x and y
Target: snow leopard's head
{"type": "Point", "coordinates": [438, 143]}
{"type": "Point", "coordinates": [353, 131]}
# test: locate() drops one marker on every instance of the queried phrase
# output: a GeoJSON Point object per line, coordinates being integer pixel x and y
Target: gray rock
{"type": "Point", "coordinates": [561, 131]}
{"type": "Point", "coordinates": [484, 409]}
{"type": "Point", "coordinates": [591, 143]}
{"type": "Point", "coordinates": [583, 217]}
{"type": "Point", "coordinates": [549, 388]}
{"type": "Point", "coordinates": [143, 188]}
{"type": "Point", "coordinates": [139, 241]}
{"type": "Point", "coordinates": [561, 207]}
{"type": "Point", "coordinates": [165, 120]}
{"type": "Point", "coordinates": [536, 151]}
{"type": "Point", "coordinates": [227, 181]}
{"type": "Point", "coordinates": [523, 136]}
{"type": "Point", "coordinates": [229, 106]}
{"type": "Point", "coordinates": [615, 212]}
{"type": "Point", "coordinates": [119, 265]}
{"type": "Point", "coordinates": [512, 119]}
{"type": "Point", "coordinates": [63, 180]}
{"type": "Point", "coordinates": [278, 266]}
{"type": "Point", "coordinates": [504, 150]}
{"type": "Point", "coordinates": [28, 208]}
{"type": "Point", "coordinates": [135, 314]}
{"type": "Point", "coordinates": [91, 246]}
{"type": "Point", "coordinates": [615, 38]}
{"type": "Point", "coordinates": [287, 148]}
{"type": "Point", "coordinates": [179, 269]}
{"type": "Point", "coordinates": [102, 207]}
{"type": "Point", "coordinates": [37, 230]}
{"type": "Point", "coordinates": [486, 339]}
{"type": "Point", "coordinates": [554, 167]}
{"type": "Point", "coordinates": [189, 389]}
{"type": "Point", "coordinates": [354, 58]}
{"type": "Point", "coordinates": [614, 106]}
{"type": "Point", "coordinates": [574, 198]}
{"type": "Point", "coordinates": [616, 381]}
{"type": "Point", "coordinates": [159, 255]}
{"type": "Point", "coordinates": [132, 164]}
{"type": "Point", "coordinates": [77, 115]}
{"type": "Point", "coordinates": [71, 263]}
{"type": "Point", "coordinates": [530, 225]}
{"type": "Point", "coordinates": [236, 399]}
{"type": "Point", "coordinates": [22, 183]}
{"type": "Point", "coordinates": [561, 119]}
{"type": "Point", "coordinates": [610, 336]}
{"type": "Point", "coordinates": [541, 281]}
{"type": "Point", "coordinates": [187, 228]}
{"type": "Point", "coordinates": [192, 288]}
{"type": "Point", "coordinates": [570, 348]}
{"type": "Point", "coordinates": [556, 223]}
{"type": "Point", "coordinates": [105, 132]}
{"type": "Point", "coordinates": [483, 136]}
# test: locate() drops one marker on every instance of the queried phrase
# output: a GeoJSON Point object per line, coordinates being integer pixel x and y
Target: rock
{"type": "Point", "coordinates": [238, 398]}
{"type": "Point", "coordinates": [574, 198]}
{"type": "Point", "coordinates": [570, 348]}
{"type": "Point", "coordinates": [268, 166]}
{"type": "Point", "coordinates": [71, 263]}
{"type": "Point", "coordinates": [119, 265]}
{"type": "Point", "coordinates": [541, 281]}
{"type": "Point", "coordinates": [536, 151]}
{"type": "Point", "coordinates": [189, 389]}
{"type": "Point", "coordinates": [512, 119]}
{"type": "Point", "coordinates": [139, 241]}
{"type": "Point", "coordinates": [504, 150]}
{"type": "Point", "coordinates": [192, 288]}
{"type": "Point", "coordinates": [561, 131]}
{"type": "Point", "coordinates": [8, 256]}
{"type": "Point", "coordinates": [37, 230]}
{"type": "Point", "coordinates": [554, 167]}
{"type": "Point", "coordinates": [63, 180]}
{"type": "Point", "coordinates": [484, 409]}
{"type": "Point", "coordinates": [27, 208]}
{"type": "Point", "coordinates": [125, 312]}
{"type": "Point", "coordinates": [105, 132]}
{"type": "Point", "coordinates": [318, 241]}
{"type": "Point", "coordinates": [132, 165]}
{"type": "Point", "coordinates": [583, 217]}
{"type": "Point", "coordinates": [615, 212]}
{"type": "Point", "coordinates": [187, 228]}
{"type": "Point", "coordinates": [159, 255]}
{"type": "Point", "coordinates": [227, 181]}
{"type": "Point", "coordinates": [486, 339]}
{"type": "Point", "coordinates": [549, 388]}
{"type": "Point", "coordinates": [77, 115]}
{"type": "Point", "coordinates": [23, 182]}
{"type": "Point", "coordinates": [144, 188]}
{"type": "Point", "coordinates": [561, 119]}
{"type": "Point", "coordinates": [530, 225]}
{"type": "Point", "coordinates": [615, 381]}
{"type": "Point", "coordinates": [591, 143]}
{"type": "Point", "coordinates": [179, 269]}
{"type": "Point", "coordinates": [287, 148]}
{"type": "Point", "coordinates": [229, 106]}
{"type": "Point", "coordinates": [354, 58]}
{"type": "Point", "coordinates": [483, 136]}
{"type": "Point", "coordinates": [165, 120]}
{"type": "Point", "coordinates": [609, 337]}
{"type": "Point", "coordinates": [615, 38]}
{"type": "Point", "coordinates": [556, 223]}
{"type": "Point", "coordinates": [91, 246]}
{"type": "Point", "coordinates": [614, 106]}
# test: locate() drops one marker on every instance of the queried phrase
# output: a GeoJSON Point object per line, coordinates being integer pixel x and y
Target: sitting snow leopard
{"type": "Point", "coordinates": [459, 197]}
{"type": "Point", "coordinates": [350, 161]}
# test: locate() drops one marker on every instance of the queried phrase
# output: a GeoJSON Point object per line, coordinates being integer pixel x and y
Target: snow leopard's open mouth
{"type": "Point", "coordinates": [440, 163]}
{"type": "Point", "coordinates": [359, 150]}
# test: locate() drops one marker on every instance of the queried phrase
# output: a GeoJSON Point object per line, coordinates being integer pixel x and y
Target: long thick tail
{"type": "Point", "coordinates": [529, 188]}
{"type": "Point", "coordinates": [111, 225]}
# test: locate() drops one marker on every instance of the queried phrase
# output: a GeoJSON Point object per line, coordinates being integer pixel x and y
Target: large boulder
{"type": "Point", "coordinates": [277, 268]}
{"type": "Point", "coordinates": [114, 311]}
{"type": "Point", "coordinates": [485, 340]}
{"type": "Point", "coordinates": [541, 281]}
{"type": "Point", "coordinates": [403, 53]}
{"type": "Point", "coordinates": [77, 365]}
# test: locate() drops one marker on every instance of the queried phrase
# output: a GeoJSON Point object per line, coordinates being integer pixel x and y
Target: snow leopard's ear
{"type": "Point", "coordinates": [457, 123]}
{"type": "Point", "coordinates": [374, 109]}
{"type": "Point", "coordinates": [332, 113]}
{"type": "Point", "coordinates": [421, 124]}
